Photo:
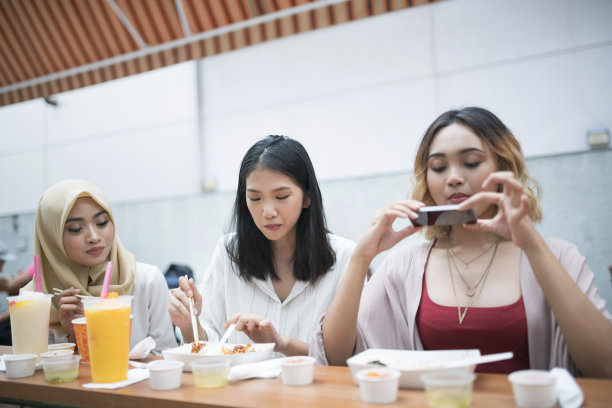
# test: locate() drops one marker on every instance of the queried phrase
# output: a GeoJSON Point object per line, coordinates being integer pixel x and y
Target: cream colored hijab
{"type": "Point", "coordinates": [59, 271]}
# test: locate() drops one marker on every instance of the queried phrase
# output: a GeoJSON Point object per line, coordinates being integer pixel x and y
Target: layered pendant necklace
{"type": "Point", "coordinates": [471, 290]}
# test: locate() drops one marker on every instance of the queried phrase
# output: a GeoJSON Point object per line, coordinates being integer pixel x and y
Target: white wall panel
{"type": "Point", "coordinates": [156, 162]}
{"type": "Point", "coordinates": [22, 179]}
{"type": "Point", "coordinates": [475, 32]}
{"type": "Point", "coordinates": [363, 132]}
{"type": "Point", "coordinates": [145, 100]}
{"type": "Point", "coordinates": [366, 132]}
{"type": "Point", "coordinates": [305, 66]}
{"type": "Point", "coordinates": [590, 21]}
{"type": "Point", "coordinates": [228, 137]}
{"type": "Point", "coordinates": [549, 103]}
{"type": "Point", "coordinates": [22, 125]}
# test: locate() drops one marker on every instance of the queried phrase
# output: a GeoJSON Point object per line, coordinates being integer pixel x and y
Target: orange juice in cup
{"type": "Point", "coordinates": [80, 331]}
{"type": "Point", "coordinates": [108, 337]}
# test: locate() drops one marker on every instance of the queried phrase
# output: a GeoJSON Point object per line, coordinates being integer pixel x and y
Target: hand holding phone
{"type": "Point", "coordinates": [443, 215]}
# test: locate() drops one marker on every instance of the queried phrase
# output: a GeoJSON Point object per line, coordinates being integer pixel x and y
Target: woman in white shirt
{"type": "Point", "coordinates": [278, 272]}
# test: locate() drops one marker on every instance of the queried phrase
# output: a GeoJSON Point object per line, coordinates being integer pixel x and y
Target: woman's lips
{"type": "Point", "coordinates": [458, 198]}
{"type": "Point", "coordinates": [96, 250]}
{"type": "Point", "coordinates": [273, 227]}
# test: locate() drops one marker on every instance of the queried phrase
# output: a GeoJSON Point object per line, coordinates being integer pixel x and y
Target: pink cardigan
{"type": "Point", "coordinates": [390, 300]}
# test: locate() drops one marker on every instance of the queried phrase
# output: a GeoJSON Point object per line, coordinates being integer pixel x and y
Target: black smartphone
{"type": "Point", "coordinates": [443, 215]}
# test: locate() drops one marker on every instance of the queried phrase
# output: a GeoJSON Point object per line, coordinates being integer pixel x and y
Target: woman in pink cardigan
{"type": "Point", "coordinates": [495, 285]}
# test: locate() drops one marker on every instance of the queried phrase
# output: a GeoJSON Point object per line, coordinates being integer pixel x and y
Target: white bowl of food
{"type": "Point", "coordinates": [378, 385]}
{"type": "Point", "coordinates": [413, 363]}
{"type": "Point", "coordinates": [235, 353]}
{"type": "Point", "coordinates": [298, 370]}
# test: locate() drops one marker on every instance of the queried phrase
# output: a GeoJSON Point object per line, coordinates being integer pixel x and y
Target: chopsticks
{"type": "Point", "coordinates": [194, 326]}
{"type": "Point", "coordinates": [59, 292]}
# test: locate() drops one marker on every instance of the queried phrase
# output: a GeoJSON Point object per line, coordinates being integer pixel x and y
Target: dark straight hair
{"type": "Point", "coordinates": [249, 249]}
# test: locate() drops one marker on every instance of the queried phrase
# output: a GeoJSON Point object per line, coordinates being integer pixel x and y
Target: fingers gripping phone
{"type": "Point", "coordinates": [443, 215]}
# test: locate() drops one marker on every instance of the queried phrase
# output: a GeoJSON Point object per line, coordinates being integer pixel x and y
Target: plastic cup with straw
{"type": "Point", "coordinates": [29, 313]}
{"type": "Point", "coordinates": [108, 333]}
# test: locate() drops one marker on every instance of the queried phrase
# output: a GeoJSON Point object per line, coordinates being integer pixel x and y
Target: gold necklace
{"type": "Point", "coordinates": [450, 271]}
{"type": "Point", "coordinates": [470, 290]}
{"type": "Point", "coordinates": [467, 263]}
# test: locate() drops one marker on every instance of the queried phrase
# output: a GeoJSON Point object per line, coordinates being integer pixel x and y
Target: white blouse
{"type": "Point", "coordinates": [225, 293]}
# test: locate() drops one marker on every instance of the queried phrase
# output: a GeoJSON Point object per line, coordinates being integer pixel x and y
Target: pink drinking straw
{"type": "Point", "coordinates": [37, 278]}
{"type": "Point", "coordinates": [107, 278]}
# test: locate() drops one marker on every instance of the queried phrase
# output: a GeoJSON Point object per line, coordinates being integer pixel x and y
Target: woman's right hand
{"type": "Point", "coordinates": [70, 308]}
{"type": "Point", "coordinates": [380, 235]}
{"type": "Point", "coordinates": [179, 304]}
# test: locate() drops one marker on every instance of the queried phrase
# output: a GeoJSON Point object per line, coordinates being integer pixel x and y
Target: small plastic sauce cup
{"type": "Point", "coordinates": [533, 388]}
{"type": "Point", "coordinates": [448, 389]}
{"type": "Point", "coordinates": [378, 385]}
{"type": "Point", "coordinates": [61, 370]}
{"type": "Point", "coordinates": [20, 365]}
{"type": "Point", "coordinates": [210, 373]}
{"type": "Point", "coordinates": [61, 346]}
{"type": "Point", "coordinates": [298, 370]}
{"type": "Point", "coordinates": [57, 355]}
{"type": "Point", "coordinates": [165, 374]}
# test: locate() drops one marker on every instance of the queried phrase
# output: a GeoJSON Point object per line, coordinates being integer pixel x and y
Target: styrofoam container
{"type": "Point", "coordinates": [378, 385]}
{"type": "Point", "coordinates": [533, 388]}
{"type": "Point", "coordinates": [20, 365]}
{"type": "Point", "coordinates": [56, 355]}
{"type": "Point", "coordinates": [413, 363]}
{"type": "Point", "coordinates": [297, 370]}
{"type": "Point", "coordinates": [165, 374]}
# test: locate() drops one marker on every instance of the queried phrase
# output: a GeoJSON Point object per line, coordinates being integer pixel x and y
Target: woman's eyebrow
{"type": "Point", "coordinates": [471, 149]}
{"type": "Point", "coordinates": [252, 190]}
{"type": "Point", "coordinates": [83, 219]}
{"type": "Point", "coordinates": [462, 151]}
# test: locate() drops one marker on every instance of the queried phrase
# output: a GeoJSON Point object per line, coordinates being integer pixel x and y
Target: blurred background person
{"type": "Point", "coordinates": [11, 286]}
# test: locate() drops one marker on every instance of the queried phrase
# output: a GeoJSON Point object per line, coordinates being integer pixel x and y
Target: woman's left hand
{"type": "Point", "coordinates": [257, 328]}
{"type": "Point", "coordinates": [512, 219]}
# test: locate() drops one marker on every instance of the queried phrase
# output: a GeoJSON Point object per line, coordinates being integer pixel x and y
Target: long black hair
{"type": "Point", "coordinates": [249, 249]}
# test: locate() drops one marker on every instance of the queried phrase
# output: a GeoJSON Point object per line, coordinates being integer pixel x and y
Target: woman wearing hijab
{"type": "Point", "coordinates": [75, 237]}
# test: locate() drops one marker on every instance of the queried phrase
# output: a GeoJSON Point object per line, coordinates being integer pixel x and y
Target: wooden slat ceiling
{"type": "Point", "coordinates": [52, 46]}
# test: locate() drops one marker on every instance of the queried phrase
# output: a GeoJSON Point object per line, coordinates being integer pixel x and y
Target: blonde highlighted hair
{"type": "Point", "coordinates": [497, 136]}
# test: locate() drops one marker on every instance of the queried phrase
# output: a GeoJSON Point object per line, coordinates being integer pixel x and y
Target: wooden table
{"type": "Point", "coordinates": [332, 387]}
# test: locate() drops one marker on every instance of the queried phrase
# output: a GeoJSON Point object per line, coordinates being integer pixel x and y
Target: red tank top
{"type": "Point", "coordinates": [489, 329]}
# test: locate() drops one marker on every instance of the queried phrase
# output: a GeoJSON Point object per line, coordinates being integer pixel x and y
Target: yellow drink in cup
{"type": "Point", "coordinates": [30, 322]}
{"type": "Point", "coordinates": [108, 337]}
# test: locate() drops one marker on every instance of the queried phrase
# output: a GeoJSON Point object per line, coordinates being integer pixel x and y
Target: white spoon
{"type": "Point", "coordinates": [227, 333]}
{"type": "Point", "coordinates": [487, 358]}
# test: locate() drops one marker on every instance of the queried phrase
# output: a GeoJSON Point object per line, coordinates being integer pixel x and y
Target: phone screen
{"type": "Point", "coordinates": [444, 215]}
